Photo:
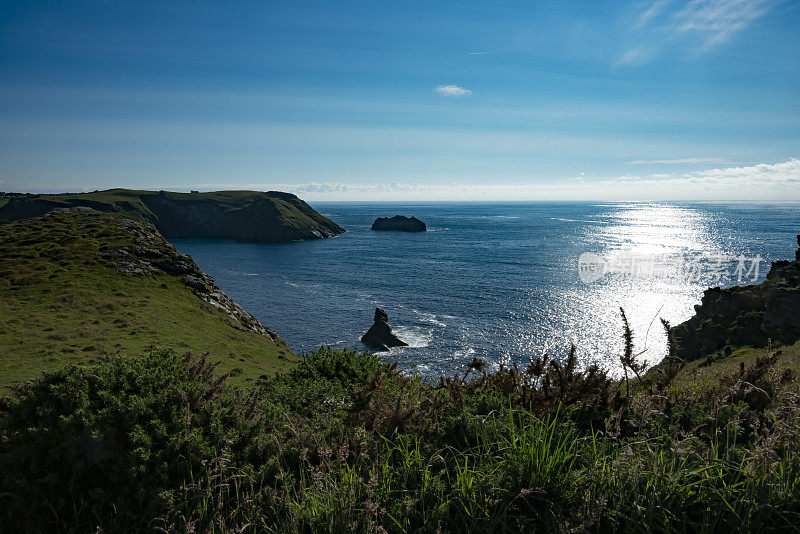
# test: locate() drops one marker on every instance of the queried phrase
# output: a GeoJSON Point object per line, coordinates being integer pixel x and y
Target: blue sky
{"type": "Point", "coordinates": [466, 100]}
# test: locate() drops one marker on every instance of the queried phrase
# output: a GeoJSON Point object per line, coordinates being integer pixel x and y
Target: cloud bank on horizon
{"type": "Point", "coordinates": [779, 181]}
{"type": "Point", "coordinates": [638, 99]}
{"type": "Point", "coordinates": [762, 182]}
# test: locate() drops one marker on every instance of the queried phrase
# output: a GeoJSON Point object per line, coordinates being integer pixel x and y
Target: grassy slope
{"type": "Point", "coordinates": [61, 304]}
{"type": "Point", "coordinates": [294, 212]}
{"type": "Point", "coordinates": [701, 375]}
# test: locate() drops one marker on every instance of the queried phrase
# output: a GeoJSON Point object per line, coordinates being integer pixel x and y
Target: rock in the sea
{"type": "Point", "coordinates": [399, 223]}
{"type": "Point", "coordinates": [380, 336]}
{"type": "Point", "coordinates": [797, 252]}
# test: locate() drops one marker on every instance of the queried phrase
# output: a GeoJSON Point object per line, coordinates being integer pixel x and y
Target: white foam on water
{"type": "Point", "coordinates": [575, 220]}
{"type": "Point", "coordinates": [465, 353]}
{"type": "Point", "coordinates": [417, 338]}
{"type": "Point", "coordinates": [430, 318]}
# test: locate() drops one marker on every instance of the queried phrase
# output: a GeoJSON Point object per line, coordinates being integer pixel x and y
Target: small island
{"type": "Point", "coordinates": [399, 223]}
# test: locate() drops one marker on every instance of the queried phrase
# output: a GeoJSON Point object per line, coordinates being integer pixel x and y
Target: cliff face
{"type": "Point", "coordinates": [245, 215]}
{"type": "Point", "coordinates": [747, 315]}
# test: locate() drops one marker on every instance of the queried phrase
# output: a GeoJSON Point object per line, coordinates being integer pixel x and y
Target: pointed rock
{"type": "Point", "coordinates": [380, 336]}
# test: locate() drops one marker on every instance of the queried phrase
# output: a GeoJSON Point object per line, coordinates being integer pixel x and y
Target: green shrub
{"type": "Point", "coordinates": [106, 445]}
{"type": "Point", "coordinates": [344, 442]}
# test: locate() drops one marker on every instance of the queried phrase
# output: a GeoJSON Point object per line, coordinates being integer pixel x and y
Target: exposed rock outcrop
{"type": "Point", "coordinates": [745, 315]}
{"type": "Point", "coordinates": [380, 335]}
{"type": "Point", "coordinates": [399, 223]}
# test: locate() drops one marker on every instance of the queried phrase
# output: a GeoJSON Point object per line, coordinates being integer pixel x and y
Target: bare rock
{"type": "Point", "coordinates": [745, 315]}
{"type": "Point", "coordinates": [380, 335]}
{"type": "Point", "coordinates": [399, 223]}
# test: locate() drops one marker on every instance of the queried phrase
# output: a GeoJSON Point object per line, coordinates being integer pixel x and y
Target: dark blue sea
{"type": "Point", "coordinates": [502, 281]}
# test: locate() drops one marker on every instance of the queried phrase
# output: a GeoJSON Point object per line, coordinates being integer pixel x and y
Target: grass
{"type": "Point", "coordinates": [702, 375]}
{"type": "Point", "coordinates": [63, 304]}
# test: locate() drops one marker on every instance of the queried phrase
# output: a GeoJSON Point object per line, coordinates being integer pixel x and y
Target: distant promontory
{"type": "Point", "coordinates": [399, 223]}
{"type": "Point", "coordinates": [270, 216]}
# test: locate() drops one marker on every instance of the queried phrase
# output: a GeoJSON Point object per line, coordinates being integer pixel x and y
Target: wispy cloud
{"type": "Point", "coordinates": [654, 8]}
{"type": "Point", "coordinates": [638, 55]}
{"type": "Point", "coordinates": [699, 24]}
{"type": "Point", "coordinates": [713, 161]}
{"type": "Point", "coordinates": [452, 90]}
{"type": "Point", "coordinates": [716, 21]}
{"type": "Point", "coordinates": [479, 53]}
{"type": "Point", "coordinates": [357, 189]}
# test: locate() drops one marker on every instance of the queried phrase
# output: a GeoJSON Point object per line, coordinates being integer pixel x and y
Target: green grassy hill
{"type": "Point", "coordinates": [80, 284]}
{"type": "Point", "coordinates": [246, 215]}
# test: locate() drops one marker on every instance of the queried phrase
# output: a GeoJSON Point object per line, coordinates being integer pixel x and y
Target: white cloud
{"type": "Point", "coordinates": [639, 55]}
{"type": "Point", "coordinates": [778, 181]}
{"type": "Point", "coordinates": [452, 90]}
{"type": "Point", "coordinates": [328, 187]}
{"type": "Point", "coordinates": [716, 161]}
{"type": "Point", "coordinates": [716, 21]}
{"type": "Point", "coordinates": [655, 7]}
{"type": "Point", "coordinates": [700, 24]}
{"type": "Point", "coordinates": [787, 173]}
{"type": "Point", "coordinates": [357, 189]}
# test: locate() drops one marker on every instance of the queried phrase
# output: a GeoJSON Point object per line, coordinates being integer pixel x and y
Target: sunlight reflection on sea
{"type": "Point", "coordinates": [500, 281]}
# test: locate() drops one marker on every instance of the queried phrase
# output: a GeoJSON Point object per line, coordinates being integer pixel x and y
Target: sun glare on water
{"type": "Point", "coordinates": [646, 247]}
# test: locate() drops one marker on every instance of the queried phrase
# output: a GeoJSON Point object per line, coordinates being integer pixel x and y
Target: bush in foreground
{"type": "Point", "coordinates": [346, 443]}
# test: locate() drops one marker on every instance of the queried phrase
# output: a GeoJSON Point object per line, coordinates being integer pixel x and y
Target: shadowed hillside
{"type": "Point", "coordinates": [245, 215]}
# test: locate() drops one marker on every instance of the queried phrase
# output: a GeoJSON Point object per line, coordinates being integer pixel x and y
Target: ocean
{"type": "Point", "coordinates": [502, 281]}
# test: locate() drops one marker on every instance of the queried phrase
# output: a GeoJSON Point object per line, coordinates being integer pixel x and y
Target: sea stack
{"type": "Point", "coordinates": [380, 336]}
{"type": "Point", "coordinates": [399, 223]}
